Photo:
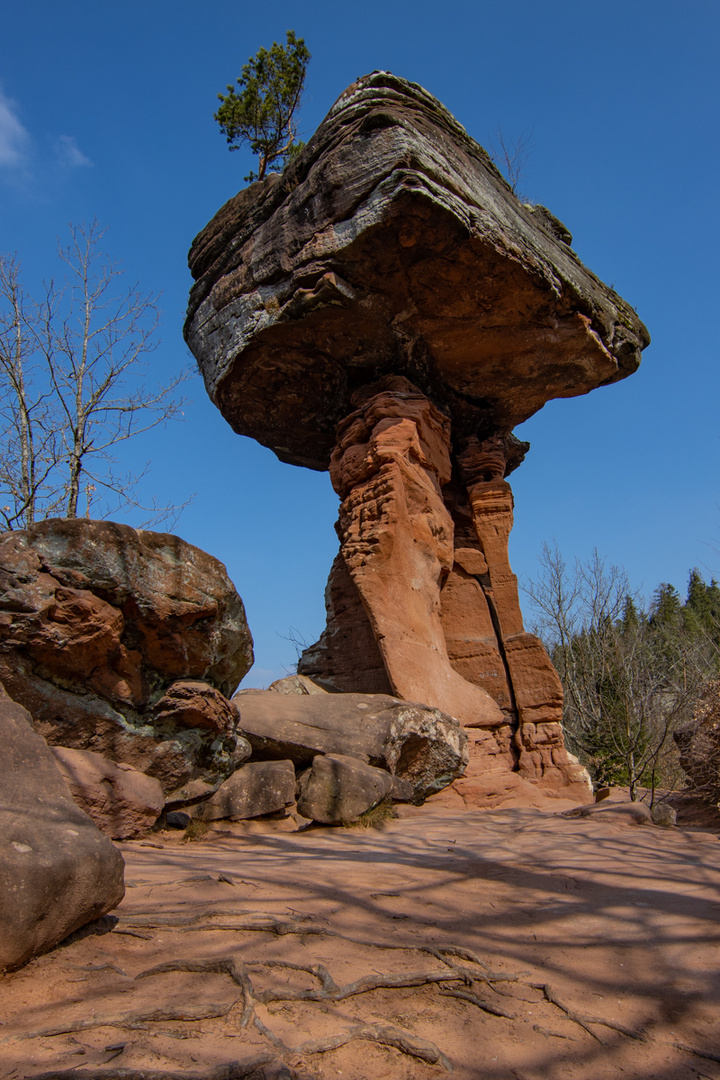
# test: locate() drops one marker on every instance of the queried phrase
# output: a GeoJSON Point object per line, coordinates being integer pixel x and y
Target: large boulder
{"type": "Point", "coordinates": [337, 789]}
{"type": "Point", "coordinates": [414, 742]}
{"type": "Point", "coordinates": [57, 870]}
{"type": "Point", "coordinates": [123, 802]}
{"type": "Point", "coordinates": [98, 621]}
{"type": "Point", "coordinates": [259, 788]}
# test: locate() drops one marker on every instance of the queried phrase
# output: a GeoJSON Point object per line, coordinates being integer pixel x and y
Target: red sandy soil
{"type": "Point", "coordinates": [584, 948]}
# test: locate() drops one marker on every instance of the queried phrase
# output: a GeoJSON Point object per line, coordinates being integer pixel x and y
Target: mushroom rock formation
{"type": "Point", "coordinates": [386, 308]}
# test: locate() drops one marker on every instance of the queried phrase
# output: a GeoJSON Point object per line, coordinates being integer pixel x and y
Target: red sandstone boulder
{"type": "Point", "coordinates": [337, 789]}
{"type": "Point", "coordinates": [57, 870]}
{"type": "Point", "coordinates": [123, 802]}
{"type": "Point", "coordinates": [98, 620]}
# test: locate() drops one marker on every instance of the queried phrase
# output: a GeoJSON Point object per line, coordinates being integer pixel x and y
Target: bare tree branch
{"type": "Point", "coordinates": [72, 387]}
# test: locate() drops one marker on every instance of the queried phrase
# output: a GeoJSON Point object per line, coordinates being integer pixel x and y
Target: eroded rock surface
{"type": "Point", "coordinates": [387, 308]}
{"type": "Point", "coordinates": [98, 621]}
{"type": "Point", "coordinates": [57, 870]}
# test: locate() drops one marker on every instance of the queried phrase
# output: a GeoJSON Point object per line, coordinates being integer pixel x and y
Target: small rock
{"type": "Point", "coordinates": [296, 684]}
{"type": "Point", "coordinates": [192, 792]}
{"type": "Point", "coordinates": [339, 789]}
{"type": "Point", "coordinates": [177, 819]}
{"type": "Point", "coordinates": [663, 814]}
{"type": "Point", "coordinates": [256, 789]}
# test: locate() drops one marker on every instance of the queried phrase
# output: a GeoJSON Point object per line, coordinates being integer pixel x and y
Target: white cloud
{"type": "Point", "coordinates": [69, 154]}
{"type": "Point", "coordinates": [14, 139]}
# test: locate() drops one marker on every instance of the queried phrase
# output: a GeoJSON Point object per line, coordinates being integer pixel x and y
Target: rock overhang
{"type": "Point", "coordinates": [392, 245]}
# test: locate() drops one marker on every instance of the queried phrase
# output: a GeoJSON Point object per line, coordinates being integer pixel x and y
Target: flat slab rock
{"type": "Point", "coordinates": [393, 245]}
{"type": "Point", "coordinates": [57, 870]}
{"type": "Point", "coordinates": [421, 745]}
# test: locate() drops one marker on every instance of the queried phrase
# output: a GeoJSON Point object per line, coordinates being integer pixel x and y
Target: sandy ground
{"type": "Point", "coordinates": [512, 944]}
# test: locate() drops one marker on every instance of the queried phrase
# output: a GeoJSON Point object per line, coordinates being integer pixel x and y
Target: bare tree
{"type": "Point", "coordinates": [72, 387]}
{"type": "Point", "coordinates": [511, 157]}
{"type": "Point", "coordinates": [631, 676]}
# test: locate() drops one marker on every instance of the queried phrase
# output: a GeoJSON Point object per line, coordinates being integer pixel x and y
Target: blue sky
{"type": "Point", "coordinates": [106, 112]}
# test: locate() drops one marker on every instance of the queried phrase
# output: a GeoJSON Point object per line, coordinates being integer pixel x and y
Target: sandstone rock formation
{"type": "Point", "coordinates": [57, 871]}
{"type": "Point", "coordinates": [387, 308]}
{"type": "Point", "coordinates": [123, 802]}
{"type": "Point", "coordinates": [337, 789]}
{"type": "Point", "coordinates": [98, 621]}
{"type": "Point", "coordinates": [413, 742]}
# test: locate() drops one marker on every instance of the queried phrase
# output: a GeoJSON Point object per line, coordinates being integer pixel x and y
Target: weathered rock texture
{"type": "Point", "coordinates": [123, 802]}
{"type": "Point", "coordinates": [415, 743]}
{"type": "Point", "coordinates": [387, 308]}
{"type": "Point", "coordinates": [98, 621]}
{"type": "Point", "coordinates": [57, 871]}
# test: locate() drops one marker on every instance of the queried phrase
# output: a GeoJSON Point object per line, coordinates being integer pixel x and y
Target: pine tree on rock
{"type": "Point", "coordinates": [262, 110]}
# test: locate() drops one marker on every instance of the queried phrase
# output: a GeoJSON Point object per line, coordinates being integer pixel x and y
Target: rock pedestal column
{"type": "Point", "coordinates": [421, 601]}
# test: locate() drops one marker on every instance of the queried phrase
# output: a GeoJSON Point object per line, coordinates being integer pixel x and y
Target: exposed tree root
{"type": "Point", "coordinates": [379, 1033]}
{"type": "Point", "coordinates": [224, 966]}
{"type": "Point", "coordinates": [707, 1054]}
{"type": "Point", "coordinates": [465, 995]}
{"type": "Point", "coordinates": [132, 1020]}
{"type": "Point", "coordinates": [461, 974]}
{"type": "Point", "coordinates": [253, 920]}
{"type": "Point", "coordinates": [585, 1021]}
{"type": "Point", "coordinates": [234, 1070]}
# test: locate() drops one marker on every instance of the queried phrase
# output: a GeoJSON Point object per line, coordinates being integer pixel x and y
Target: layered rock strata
{"type": "Point", "coordinates": [124, 643]}
{"type": "Point", "coordinates": [387, 308]}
